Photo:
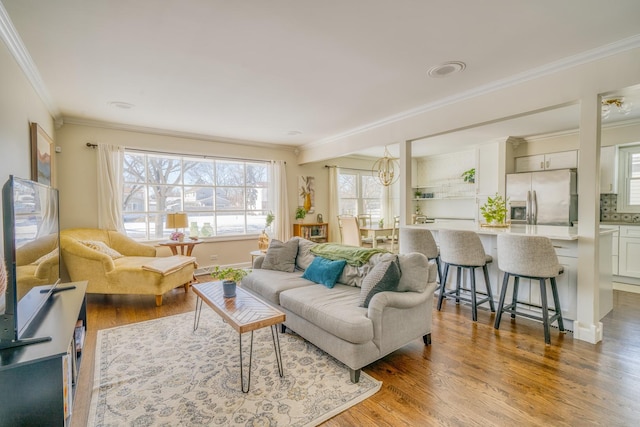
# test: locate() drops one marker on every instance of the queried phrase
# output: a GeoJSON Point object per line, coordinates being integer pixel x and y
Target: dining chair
{"type": "Point", "coordinates": [349, 230]}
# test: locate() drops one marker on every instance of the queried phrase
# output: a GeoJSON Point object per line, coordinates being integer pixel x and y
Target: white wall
{"type": "Point", "coordinates": [19, 106]}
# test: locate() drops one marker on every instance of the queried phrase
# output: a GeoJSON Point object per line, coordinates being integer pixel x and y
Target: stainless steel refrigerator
{"type": "Point", "coordinates": [543, 198]}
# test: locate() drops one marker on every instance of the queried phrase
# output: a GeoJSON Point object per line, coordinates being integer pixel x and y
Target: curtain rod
{"type": "Point", "coordinates": [345, 167]}
{"type": "Point", "coordinates": [140, 150]}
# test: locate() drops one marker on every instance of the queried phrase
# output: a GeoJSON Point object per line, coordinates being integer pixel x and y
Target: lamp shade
{"type": "Point", "coordinates": [177, 220]}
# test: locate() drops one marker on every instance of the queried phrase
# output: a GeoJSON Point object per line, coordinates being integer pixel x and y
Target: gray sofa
{"type": "Point", "coordinates": [332, 318]}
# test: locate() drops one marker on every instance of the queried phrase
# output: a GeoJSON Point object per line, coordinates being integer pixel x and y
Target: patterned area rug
{"type": "Point", "coordinates": [162, 373]}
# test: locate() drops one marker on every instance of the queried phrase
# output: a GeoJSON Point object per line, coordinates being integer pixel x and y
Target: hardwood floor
{"type": "Point", "coordinates": [470, 375]}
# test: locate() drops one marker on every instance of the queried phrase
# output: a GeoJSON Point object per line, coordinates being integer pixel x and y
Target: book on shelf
{"type": "Point", "coordinates": [79, 334]}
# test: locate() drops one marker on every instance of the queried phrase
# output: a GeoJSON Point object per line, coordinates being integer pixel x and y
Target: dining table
{"type": "Point", "coordinates": [373, 232]}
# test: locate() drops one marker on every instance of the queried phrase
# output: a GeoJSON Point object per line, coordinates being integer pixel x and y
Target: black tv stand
{"type": "Point", "coordinates": [37, 382]}
{"type": "Point", "coordinates": [22, 342]}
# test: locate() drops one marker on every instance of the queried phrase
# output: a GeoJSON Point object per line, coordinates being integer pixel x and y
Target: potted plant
{"type": "Point", "coordinates": [300, 213]}
{"type": "Point", "coordinates": [269, 220]}
{"type": "Point", "coordinates": [494, 210]}
{"type": "Point", "coordinates": [469, 176]}
{"type": "Point", "coordinates": [230, 277]}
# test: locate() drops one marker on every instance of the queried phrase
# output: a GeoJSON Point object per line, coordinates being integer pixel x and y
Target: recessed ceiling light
{"type": "Point", "coordinates": [446, 69]}
{"type": "Point", "coordinates": [121, 105]}
{"type": "Point", "coordinates": [294, 132]}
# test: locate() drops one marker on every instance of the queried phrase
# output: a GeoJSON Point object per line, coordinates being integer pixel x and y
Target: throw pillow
{"type": "Point", "coordinates": [415, 272]}
{"type": "Point", "coordinates": [47, 257]}
{"type": "Point", "coordinates": [281, 256]}
{"type": "Point", "coordinates": [305, 257]}
{"type": "Point", "coordinates": [384, 276]}
{"type": "Point", "coordinates": [324, 271]}
{"type": "Point", "coordinates": [101, 247]}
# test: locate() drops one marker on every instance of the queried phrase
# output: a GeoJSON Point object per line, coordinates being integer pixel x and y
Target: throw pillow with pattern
{"type": "Point", "coordinates": [384, 276]}
{"type": "Point", "coordinates": [101, 247]}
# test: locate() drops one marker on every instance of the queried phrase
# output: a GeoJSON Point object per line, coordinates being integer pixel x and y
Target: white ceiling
{"type": "Point", "coordinates": [256, 70]}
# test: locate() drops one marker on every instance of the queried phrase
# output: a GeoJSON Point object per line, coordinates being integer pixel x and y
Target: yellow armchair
{"type": "Point", "coordinates": [123, 272]}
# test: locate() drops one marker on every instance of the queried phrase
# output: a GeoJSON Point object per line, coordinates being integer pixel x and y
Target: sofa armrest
{"type": "Point", "coordinates": [74, 249]}
{"type": "Point", "coordinates": [383, 300]}
{"type": "Point", "coordinates": [129, 247]}
{"type": "Point", "coordinates": [399, 317]}
{"type": "Point", "coordinates": [257, 262]}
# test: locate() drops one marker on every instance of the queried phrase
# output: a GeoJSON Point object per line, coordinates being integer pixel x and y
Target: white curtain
{"type": "Point", "coordinates": [334, 204]}
{"type": "Point", "coordinates": [279, 200]}
{"type": "Point", "coordinates": [110, 187]}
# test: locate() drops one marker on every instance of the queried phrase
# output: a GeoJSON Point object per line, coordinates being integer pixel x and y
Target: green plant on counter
{"type": "Point", "coordinates": [469, 176]}
{"type": "Point", "coordinates": [495, 210]}
{"type": "Point", "coordinates": [229, 273]}
{"type": "Point", "coordinates": [300, 213]}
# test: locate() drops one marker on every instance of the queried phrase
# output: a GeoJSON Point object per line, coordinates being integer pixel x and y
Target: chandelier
{"type": "Point", "coordinates": [386, 169]}
{"type": "Point", "coordinates": [620, 105]}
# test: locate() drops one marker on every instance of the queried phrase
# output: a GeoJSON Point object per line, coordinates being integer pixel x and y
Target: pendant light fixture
{"type": "Point", "coordinates": [386, 169]}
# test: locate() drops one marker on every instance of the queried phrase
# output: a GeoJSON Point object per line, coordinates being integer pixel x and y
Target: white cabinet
{"type": "Point", "coordinates": [561, 160]}
{"type": "Point", "coordinates": [629, 251]}
{"type": "Point", "coordinates": [608, 169]}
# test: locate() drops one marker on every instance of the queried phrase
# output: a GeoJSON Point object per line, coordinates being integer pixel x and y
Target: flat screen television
{"type": "Point", "coordinates": [31, 254]}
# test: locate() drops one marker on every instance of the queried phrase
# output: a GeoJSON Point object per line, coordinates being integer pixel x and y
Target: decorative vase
{"type": "Point", "coordinates": [193, 230]}
{"type": "Point", "coordinates": [181, 239]}
{"type": "Point", "coordinates": [207, 229]}
{"type": "Point", "coordinates": [263, 241]}
{"type": "Point", "coordinates": [307, 202]}
{"type": "Point", "coordinates": [228, 288]}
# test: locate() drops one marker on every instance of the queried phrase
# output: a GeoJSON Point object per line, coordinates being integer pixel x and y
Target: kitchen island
{"type": "Point", "coordinates": [565, 241]}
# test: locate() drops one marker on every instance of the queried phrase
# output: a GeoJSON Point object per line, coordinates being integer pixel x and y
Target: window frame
{"type": "Point", "coordinates": [360, 199]}
{"type": "Point", "coordinates": [251, 217]}
{"type": "Point", "coordinates": [625, 155]}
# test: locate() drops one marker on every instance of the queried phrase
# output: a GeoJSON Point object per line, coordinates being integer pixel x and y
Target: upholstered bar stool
{"type": "Point", "coordinates": [531, 257]}
{"type": "Point", "coordinates": [421, 241]}
{"type": "Point", "coordinates": [463, 249]}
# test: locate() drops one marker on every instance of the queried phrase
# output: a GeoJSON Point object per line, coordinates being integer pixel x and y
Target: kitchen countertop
{"type": "Point", "coordinates": [550, 231]}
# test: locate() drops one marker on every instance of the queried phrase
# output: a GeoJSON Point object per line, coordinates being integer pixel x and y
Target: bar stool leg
{"type": "Point", "coordinates": [545, 311]}
{"type": "Point", "coordinates": [443, 286]}
{"type": "Point", "coordinates": [458, 284]}
{"type": "Point", "coordinates": [514, 298]}
{"type": "Point", "coordinates": [474, 298]}
{"type": "Point", "coordinates": [488, 284]}
{"type": "Point", "coordinates": [503, 294]}
{"type": "Point", "coordinates": [439, 268]}
{"type": "Point", "coordinates": [556, 303]}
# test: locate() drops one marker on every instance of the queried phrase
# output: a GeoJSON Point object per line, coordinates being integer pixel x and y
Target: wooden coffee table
{"type": "Point", "coordinates": [245, 313]}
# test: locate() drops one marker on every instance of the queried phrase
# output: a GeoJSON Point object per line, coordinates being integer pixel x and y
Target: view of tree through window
{"type": "Point", "coordinates": [220, 197]}
{"type": "Point", "coordinates": [359, 193]}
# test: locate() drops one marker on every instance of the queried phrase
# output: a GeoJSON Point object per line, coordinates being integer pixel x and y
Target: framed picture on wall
{"type": "Point", "coordinates": [41, 156]}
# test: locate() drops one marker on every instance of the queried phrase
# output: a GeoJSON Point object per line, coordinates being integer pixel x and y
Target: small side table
{"type": "Point", "coordinates": [185, 247]}
{"type": "Point", "coordinates": [255, 254]}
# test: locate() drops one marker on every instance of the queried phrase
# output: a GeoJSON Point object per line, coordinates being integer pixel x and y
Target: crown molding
{"type": "Point", "coordinates": [14, 43]}
{"type": "Point", "coordinates": [544, 70]}
{"type": "Point", "coordinates": [176, 134]}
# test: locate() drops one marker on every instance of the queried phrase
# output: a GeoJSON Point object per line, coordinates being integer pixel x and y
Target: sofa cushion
{"type": "Point", "coordinates": [324, 271]}
{"type": "Point", "coordinates": [281, 256]}
{"type": "Point", "coordinates": [414, 268]}
{"type": "Point", "coordinates": [270, 283]}
{"type": "Point", "coordinates": [384, 276]}
{"type": "Point", "coordinates": [101, 247]}
{"type": "Point", "coordinates": [333, 310]}
{"type": "Point", "coordinates": [305, 257]}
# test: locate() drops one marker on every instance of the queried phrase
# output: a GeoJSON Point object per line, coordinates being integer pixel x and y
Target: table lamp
{"type": "Point", "coordinates": [175, 221]}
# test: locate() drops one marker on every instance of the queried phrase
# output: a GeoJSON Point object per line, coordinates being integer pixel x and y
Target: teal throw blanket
{"type": "Point", "coordinates": [354, 255]}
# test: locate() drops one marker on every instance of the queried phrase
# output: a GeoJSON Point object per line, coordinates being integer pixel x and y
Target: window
{"type": "Point", "coordinates": [629, 179]}
{"type": "Point", "coordinates": [360, 193]}
{"type": "Point", "coordinates": [221, 197]}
